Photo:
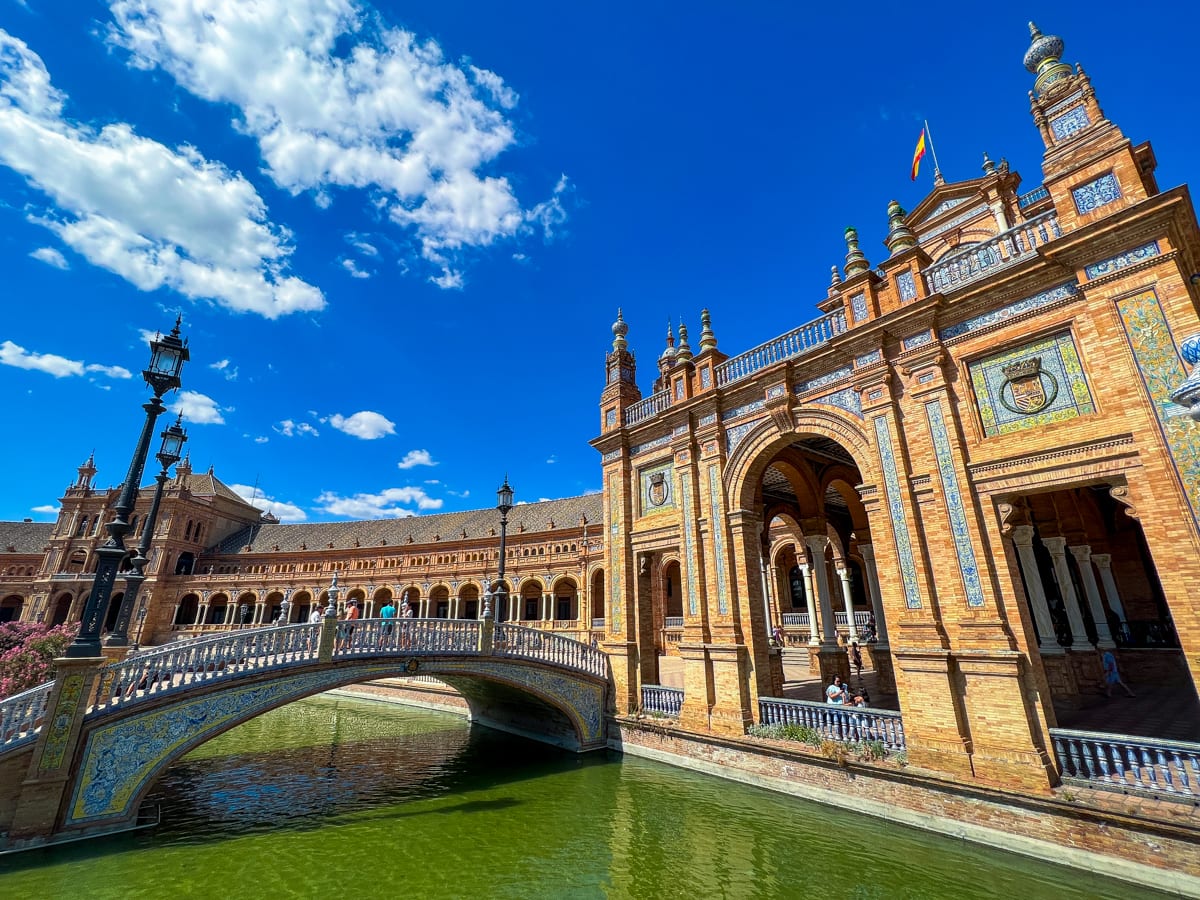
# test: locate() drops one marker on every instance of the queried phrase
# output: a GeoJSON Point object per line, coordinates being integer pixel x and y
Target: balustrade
{"type": "Point", "coordinates": [979, 260]}
{"type": "Point", "coordinates": [835, 722]}
{"type": "Point", "coordinates": [1032, 197]}
{"type": "Point", "coordinates": [527, 643]}
{"type": "Point", "coordinates": [22, 714]}
{"type": "Point", "coordinates": [786, 346]}
{"type": "Point", "coordinates": [662, 700]}
{"type": "Point", "coordinates": [1128, 763]}
{"type": "Point", "coordinates": [647, 408]}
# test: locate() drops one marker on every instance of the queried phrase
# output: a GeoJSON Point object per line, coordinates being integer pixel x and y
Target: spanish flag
{"type": "Point", "coordinates": [917, 154]}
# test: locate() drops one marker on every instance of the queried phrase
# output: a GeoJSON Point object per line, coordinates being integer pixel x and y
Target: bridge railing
{"type": "Point", "coordinates": [665, 701]}
{"type": "Point", "coordinates": [836, 723]}
{"type": "Point", "coordinates": [22, 714]}
{"type": "Point", "coordinates": [418, 636]}
{"type": "Point", "coordinates": [176, 666]}
{"type": "Point", "coordinates": [517, 642]}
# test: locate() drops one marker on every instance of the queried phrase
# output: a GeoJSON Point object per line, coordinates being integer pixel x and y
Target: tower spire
{"type": "Point", "coordinates": [1044, 59]}
{"type": "Point", "coordinates": [708, 340]}
{"type": "Point", "coordinates": [856, 260]}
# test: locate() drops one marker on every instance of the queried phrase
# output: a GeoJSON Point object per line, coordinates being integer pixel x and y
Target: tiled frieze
{"type": "Point", "coordinates": [614, 537]}
{"type": "Point", "coordinates": [996, 316]}
{"type": "Point", "coordinates": [1158, 362]}
{"type": "Point", "coordinates": [917, 340]}
{"type": "Point", "coordinates": [906, 287]}
{"type": "Point", "coordinates": [735, 435]}
{"type": "Point", "coordinates": [955, 509]}
{"type": "Point", "coordinates": [847, 399]}
{"type": "Point", "coordinates": [821, 380]}
{"type": "Point", "coordinates": [1069, 123]}
{"type": "Point", "coordinates": [745, 408]}
{"type": "Point", "coordinates": [858, 305]}
{"type": "Point", "coordinates": [650, 445]}
{"type": "Point", "coordinates": [717, 523]}
{"type": "Point", "coordinates": [1031, 385]}
{"type": "Point", "coordinates": [689, 545]}
{"type": "Point", "coordinates": [868, 359]}
{"type": "Point", "coordinates": [1122, 260]}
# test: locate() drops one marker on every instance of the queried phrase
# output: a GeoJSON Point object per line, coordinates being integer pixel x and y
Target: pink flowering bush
{"type": "Point", "coordinates": [27, 654]}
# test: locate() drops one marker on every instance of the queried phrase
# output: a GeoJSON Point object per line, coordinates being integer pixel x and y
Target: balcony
{"type": "Point", "coordinates": [795, 343]}
{"type": "Point", "coordinates": [957, 270]}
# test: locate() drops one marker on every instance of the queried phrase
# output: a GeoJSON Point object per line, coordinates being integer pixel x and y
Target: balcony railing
{"type": "Point", "coordinates": [1038, 193]}
{"type": "Point", "coordinates": [22, 714]}
{"type": "Point", "coordinates": [794, 343]}
{"type": "Point", "coordinates": [673, 622]}
{"type": "Point", "coordinates": [800, 619]}
{"type": "Point", "coordinates": [980, 260]}
{"type": "Point", "coordinates": [662, 700]}
{"type": "Point", "coordinates": [647, 408]}
{"type": "Point", "coordinates": [836, 723]}
{"type": "Point", "coordinates": [1127, 763]}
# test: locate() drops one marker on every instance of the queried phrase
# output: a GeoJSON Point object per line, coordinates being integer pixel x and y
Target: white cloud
{"type": "Point", "coordinates": [261, 439]}
{"type": "Point", "coordinates": [415, 458]}
{"type": "Point", "coordinates": [290, 428]}
{"type": "Point", "coordinates": [391, 503]}
{"type": "Point", "coordinates": [551, 460]}
{"type": "Point", "coordinates": [352, 267]}
{"type": "Point", "coordinates": [337, 99]}
{"type": "Point", "coordinates": [463, 494]}
{"type": "Point", "coordinates": [50, 256]}
{"type": "Point", "coordinates": [198, 409]}
{"type": "Point", "coordinates": [284, 512]}
{"type": "Point", "coordinates": [48, 509]}
{"type": "Point", "coordinates": [222, 366]}
{"type": "Point", "coordinates": [155, 216]}
{"type": "Point", "coordinates": [51, 363]}
{"type": "Point", "coordinates": [59, 366]}
{"type": "Point", "coordinates": [365, 424]}
{"type": "Point", "coordinates": [110, 371]}
{"type": "Point", "coordinates": [362, 245]}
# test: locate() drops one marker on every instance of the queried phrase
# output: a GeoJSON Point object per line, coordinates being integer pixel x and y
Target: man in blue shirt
{"type": "Point", "coordinates": [387, 614]}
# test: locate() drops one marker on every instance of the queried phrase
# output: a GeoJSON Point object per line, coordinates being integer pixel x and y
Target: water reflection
{"type": "Point", "coordinates": [355, 799]}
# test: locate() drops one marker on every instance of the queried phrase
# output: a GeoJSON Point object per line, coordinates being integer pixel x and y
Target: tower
{"type": "Point", "coordinates": [620, 384]}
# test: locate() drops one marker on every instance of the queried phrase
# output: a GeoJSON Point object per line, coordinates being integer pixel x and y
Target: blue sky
{"type": "Point", "coordinates": [398, 233]}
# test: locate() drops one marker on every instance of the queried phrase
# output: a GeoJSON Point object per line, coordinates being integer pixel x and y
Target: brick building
{"type": "Point", "coordinates": [972, 452]}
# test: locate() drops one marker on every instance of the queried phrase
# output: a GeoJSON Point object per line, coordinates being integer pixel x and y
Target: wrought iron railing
{"type": "Point", "coordinates": [835, 722]}
{"type": "Point", "coordinates": [22, 714]}
{"type": "Point", "coordinates": [528, 643]}
{"type": "Point", "coordinates": [794, 343]}
{"type": "Point", "coordinates": [980, 260]}
{"type": "Point", "coordinates": [662, 700]}
{"type": "Point", "coordinates": [650, 406]}
{"type": "Point", "coordinates": [1128, 763]}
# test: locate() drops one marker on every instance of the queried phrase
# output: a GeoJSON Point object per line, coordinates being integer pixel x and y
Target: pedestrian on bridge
{"type": "Point", "coordinates": [314, 618]}
{"type": "Point", "coordinates": [388, 613]}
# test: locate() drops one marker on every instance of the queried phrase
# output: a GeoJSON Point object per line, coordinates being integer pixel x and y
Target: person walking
{"type": "Point", "coordinates": [856, 660]}
{"type": "Point", "coordinates": [314, 618]}
{"type": "Point", "coordinates": [406, 628]}
{"type": "Point", "coordinates": [1112, 675]}
{"type": "Point", "coordinates": [388, 614]}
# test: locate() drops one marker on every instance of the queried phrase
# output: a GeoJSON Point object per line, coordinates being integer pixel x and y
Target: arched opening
{"type": "Point", "coordinates": [411, 596]}
{"type": "Point", "coordinates": [185, 563]}
{"type": "Point", "coordinates": [598, 598]}
{"type": "Point", "coordinates": [566, 601]}
{"type": "Point", "coordinates": [468, 601]}
{"type": "Point", "coordinates": [62, 609]}
{"type": "Point", "coordinates": [189, 608]}
{"type": "Point", "coordinates": [244, 613]}
{"type": "Point", "coordinates": [502, 601]}
{"type": "Point", "coordinates": [218, 610]}
{"type": "Point", "coordinates": [672, 591]}
{"type": "Point", "coordinates": [76, 562]}
{"type": "Point", "coordinates": [10, 608]}
{"type": "Point", "coordinates": [531, 601]}
{"type": "Point", "coordinates": [439, 602]}
{"type": "Point", "coordinates": [268, 608]}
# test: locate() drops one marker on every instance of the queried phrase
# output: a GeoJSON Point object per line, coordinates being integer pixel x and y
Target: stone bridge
{"type": "Point", "coordinates": [77, 755]}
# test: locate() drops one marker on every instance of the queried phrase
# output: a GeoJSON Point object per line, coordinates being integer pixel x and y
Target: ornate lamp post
{"type": "Point", "coordinates": [285, 608]}
{"type": "Point", "coordinates": [504, 505]}
{"type": "Point", "coordinates": [331, 610]}
{"type": "Point", "coordinates": [169, 453]}
{"type": "Point", "coordinates": [141, 617]}
{"type": "Point", "coordinates": [167, 356]}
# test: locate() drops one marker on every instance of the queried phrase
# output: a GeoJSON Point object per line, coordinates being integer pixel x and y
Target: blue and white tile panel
{"type": "Point", "coordinates": [891, 489]}
{"type": "Point", "coordinates": [1122, 260]}
{"type": "Point", "coordinates": [954, 503]}
{"type": "Point", "coordinates": [868, 359]}
{"type": "Point", "coordinates": [996, 316]}
{"type": "Point", "coordinates": [1095, 194]}
{"type": "Point", "coordinates": [689, 544]}
{"type": "Point", "coordinates": [650, 445]}
{"type": "Point", "coordinates": [752, 406]}
{"type": "Point", "coordinates": [1069, 123]}
{"type": "Point", "coordinates": [821, 380]}
{"type": "Point", "coordinates": [917, 340]}
{"type": "Point", "coordinates": [906, 287]}
{"type": "Point", "coordinates": [858, 305]}
{"type": "Point", "coordinates": [717, 523]}
{"type": "Point", "coordinates": [847, 399]}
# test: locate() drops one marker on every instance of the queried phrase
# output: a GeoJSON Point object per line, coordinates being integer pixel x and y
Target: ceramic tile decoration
{"type": "Point", "coordinates": [847, 399]}
{"type": "Point", "coordinates": [891, 489]}
{"type": "Point", "coordinates": [1069, 123]}
{"type": "Point", "coordinates": [717, 523]}
{"type": "Point", "coordinates": [657, 488]}
{"type": "Point", "coordinates": [955, 509]}
{"type": "Point", "coordinates": [752, 406]}
{"type": "Point", "coordinates": [1095, 194]}
{"type": "Point", "coordinates": [821, 380]}
{"type": "Point", "coordinates": [691, 560]}
{"type": "Point", "coordinates": [868, 359]}
{"type": "Point", "coordinates": [1028, 304]}
{"type": "Point", "coordinates": [1032, 385]}
{"type": "Point", "coordinates": [906, 287]}
{"type": "Point", "coordinates": [1122, 260]}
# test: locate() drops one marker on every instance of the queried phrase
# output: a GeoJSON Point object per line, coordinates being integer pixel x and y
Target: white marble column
{"type": "Point", "coordinates": [1103, 562]}
{"type": "Point", "coordinates": [816, 545]}
{"type": "Point", "coordinates": [1062, 572]}
{"type": "Point", "coordinates": [848, 600]}
{"type": "Point", "coordinates": [547, 606]}
{"type": "Point", "coordinates": [1022, 538]}
{"type": "Point", "coordinates": [810, 596]}
{"type": "Point", "coordinates": [868, 555]}
{"type": "Point", "coordinates": [1083, 556]}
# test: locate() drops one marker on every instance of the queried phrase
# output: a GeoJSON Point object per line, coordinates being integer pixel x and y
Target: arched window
{"type": "Point", "coordinates": [82, 529]}
{"type": "Point", "coordinates": [187, 532]}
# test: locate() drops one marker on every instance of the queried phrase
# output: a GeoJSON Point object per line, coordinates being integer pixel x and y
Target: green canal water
{"type": "Point", "coordinates": [341, 798]}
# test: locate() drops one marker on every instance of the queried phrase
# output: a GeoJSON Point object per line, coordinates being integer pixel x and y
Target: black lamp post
{"type": "Point", "coordinates": [169, 453]}
{"type": "Point", "coordinates": [504, 505]}
{"type": "Point", "coordinates": [167, 356]}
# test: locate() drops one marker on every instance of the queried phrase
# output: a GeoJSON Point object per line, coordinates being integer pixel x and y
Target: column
{"type": "Point", "coordinates": [816, 545]}
{"type": "Point", "coordinates": [1083, 556]}
{"type": "Point", "coordinates": [1058, 555]}
{"type": "Point", "coordinates": [868, 555]}
{"type": "Point", "coordinates": [844, 575]}
{"type": "Point", "coordinates": [810, 595]}
{"type": "Point", "coordinates": [1103, 562]}
{"type": "Point", "coordinates": [1022, 538]}
{"type": "Point", "coordinates": [547, 606]}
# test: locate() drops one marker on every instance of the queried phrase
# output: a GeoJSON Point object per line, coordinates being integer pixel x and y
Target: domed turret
{"type": "Point", "coordinates": [619, 330]}
{"type": "Point", "coordinates": [1042, 58]}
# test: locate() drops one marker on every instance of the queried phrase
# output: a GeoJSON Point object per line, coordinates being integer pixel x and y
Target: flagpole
{"type": "Point", "coordinates": [937, 170]}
